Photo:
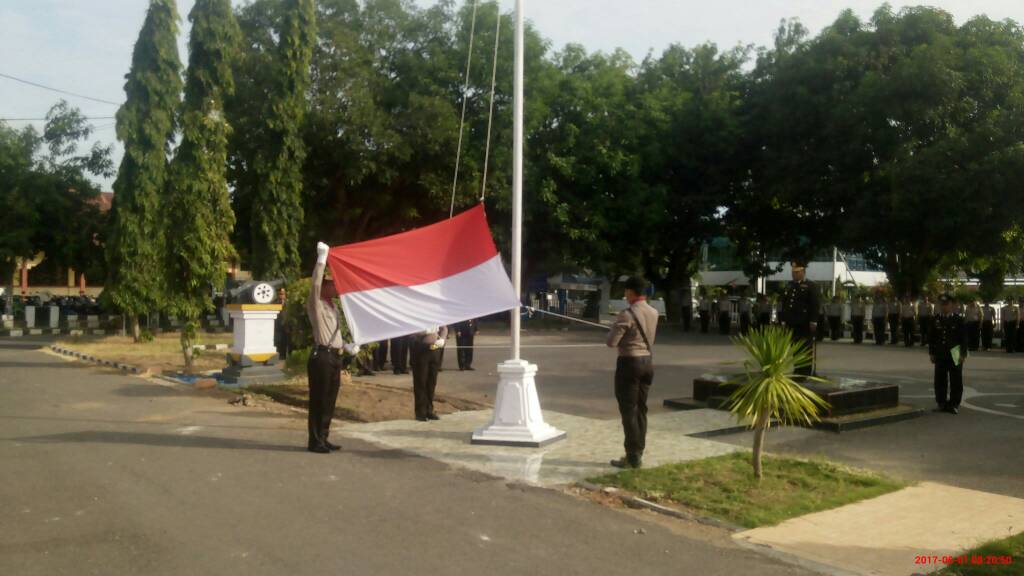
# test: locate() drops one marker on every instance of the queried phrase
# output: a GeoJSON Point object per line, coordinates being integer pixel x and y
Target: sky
{"type": "Point", "coordinates": [85, 46]}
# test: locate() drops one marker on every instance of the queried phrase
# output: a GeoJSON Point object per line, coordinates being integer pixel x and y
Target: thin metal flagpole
{"type": "Point", "coordinates": [517, 175]}
{"type": "Point", "coordinates": [517, 420]}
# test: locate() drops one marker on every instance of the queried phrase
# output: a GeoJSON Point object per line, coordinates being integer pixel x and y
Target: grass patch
{"type": "Point", "coordinates": [163, 352]}
{"type": "Point", "coordinates": [1012, 547]}
{"type": "Point", "coordinates": [724, 487]}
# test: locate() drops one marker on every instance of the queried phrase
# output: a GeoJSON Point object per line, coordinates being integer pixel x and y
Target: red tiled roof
{"type": "Point", "coordinates": [104, 201]}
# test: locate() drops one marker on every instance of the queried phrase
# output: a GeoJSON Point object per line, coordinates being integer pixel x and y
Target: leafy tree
{"type": "Point", "coordinates": [688, 144]}
{"type": "Point", "coordinates": [198, 209]}
{"type": "Point", "coordinates": [49, 197]}
{"type": "Point", "coordinates": [19, 219]}
{"type": "Point", "coordinates": [145, 124]}
{"type": "Point", "coordinates": [278, 160]}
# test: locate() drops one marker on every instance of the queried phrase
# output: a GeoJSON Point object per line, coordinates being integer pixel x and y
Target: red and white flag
{"type": "Point", "coordinates": [432, 276]}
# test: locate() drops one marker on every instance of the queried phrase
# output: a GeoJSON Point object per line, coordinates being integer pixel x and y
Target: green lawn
{"type": "Point", "coordinates": [1012, 547]}
{"type": "Point", "coordinates": [724, 487]}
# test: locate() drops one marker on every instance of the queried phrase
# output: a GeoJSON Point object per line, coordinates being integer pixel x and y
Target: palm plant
{"type": "Point", "coordinates": [767, 389]}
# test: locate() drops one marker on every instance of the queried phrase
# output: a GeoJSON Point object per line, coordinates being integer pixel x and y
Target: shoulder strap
{"type": "Point", "coordinates": [640, 327]}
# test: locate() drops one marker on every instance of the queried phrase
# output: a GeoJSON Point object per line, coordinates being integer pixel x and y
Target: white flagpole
{"type": "Point", "coordinates": [517, 420]}
{"type": "Point", "coordinates": [517, 174]}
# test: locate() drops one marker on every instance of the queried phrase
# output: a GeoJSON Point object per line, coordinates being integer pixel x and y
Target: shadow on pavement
{"type": "Point", "coordinates": [160, 440]}
{"type": "Point", "coordinates": [62, 365]}
{"type": "Point", "coordinates": [147, 391]}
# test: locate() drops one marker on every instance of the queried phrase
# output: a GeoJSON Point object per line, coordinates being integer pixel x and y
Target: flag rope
{"type": "Point", "coordinates": [465, 98]}
{"type": "Point", "coordinates": [581, 321]}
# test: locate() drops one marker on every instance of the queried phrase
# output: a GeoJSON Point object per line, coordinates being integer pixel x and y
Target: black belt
{"type": "Point", "coordinates": [337, 351]}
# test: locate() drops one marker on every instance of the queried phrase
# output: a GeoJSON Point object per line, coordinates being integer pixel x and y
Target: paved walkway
{"type": "Point", "coordinates": [590, 443]}
{"type": "Point", "coordinates": [890, 534]}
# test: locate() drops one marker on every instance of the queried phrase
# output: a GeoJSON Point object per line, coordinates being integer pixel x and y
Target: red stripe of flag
{"type": "Point", "coordinates": [416, 257]}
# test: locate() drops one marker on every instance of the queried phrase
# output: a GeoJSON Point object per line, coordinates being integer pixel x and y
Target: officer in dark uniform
{"type": "Point", "coordinates": [894, 321]}
{"type": "Point", "coordinates": [857, 310]}
{"type": "Point", "coordinates": [380, 355]}
{"type": "Point", "coordinates": [799, 307]}
{"type": "Point", "coordinates": [948, 332]}
{"type": "Point", "coordinates": [764, 310]}
{"type": "Point", "coordinates": [724, 316]}
{"type": "Point", "coordinates": [464, 333]}
{"type": "Point", "coordinates": [988, 326]}
{"type": "Point", "coordinates": [400, 355]}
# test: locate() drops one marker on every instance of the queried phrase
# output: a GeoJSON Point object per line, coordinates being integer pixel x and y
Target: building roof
{"type": "Point", "coordinates": [104, 201]}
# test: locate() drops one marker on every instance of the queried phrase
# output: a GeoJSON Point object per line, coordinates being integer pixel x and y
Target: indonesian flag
{"type": "Point", "coordinates": [432, 276]}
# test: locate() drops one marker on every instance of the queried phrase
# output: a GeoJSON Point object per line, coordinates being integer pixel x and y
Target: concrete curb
{"type": "Point", "coordinates": [126, 368]}
{"type": "Point", "coordinates": [637, 502]}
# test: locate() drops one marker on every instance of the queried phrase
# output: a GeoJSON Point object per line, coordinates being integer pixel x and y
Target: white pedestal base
{"type": "Point", "coordinates": [518, 420]}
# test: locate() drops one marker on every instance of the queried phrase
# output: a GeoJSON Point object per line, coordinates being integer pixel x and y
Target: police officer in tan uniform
{"type": "Point", "coordinates": [633, 335]}
{"type": "Point", "coordinates": [329, 358]}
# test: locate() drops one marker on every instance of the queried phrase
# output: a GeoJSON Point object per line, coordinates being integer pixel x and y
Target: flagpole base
{"type": "Point", "coordinates": [518, 420]}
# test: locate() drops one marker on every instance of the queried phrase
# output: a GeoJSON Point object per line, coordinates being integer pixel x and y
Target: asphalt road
{"type": "Point", "coordinates": [102, 473]}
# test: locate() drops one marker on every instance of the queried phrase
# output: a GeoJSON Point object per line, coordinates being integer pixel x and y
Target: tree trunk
{"type": "Point", "coordinates": [760, 428]}
{"type": "Point", "coordinates": [188, 333]}
{"type": "Point", "coordinates": [136, 332]}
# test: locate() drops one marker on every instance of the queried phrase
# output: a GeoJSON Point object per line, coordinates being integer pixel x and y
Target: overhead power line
{"type": "Point", "coordinates": [58, 90]}
{"type": "Point", "coordinates": [45, 119]}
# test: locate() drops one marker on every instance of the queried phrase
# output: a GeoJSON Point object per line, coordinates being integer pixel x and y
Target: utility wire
{"type": "Point", "coordinates": [45, 119]}
{"type": "Point", "coordinates": [58, 90]}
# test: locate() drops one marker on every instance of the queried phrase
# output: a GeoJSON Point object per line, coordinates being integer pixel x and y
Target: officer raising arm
{"type": "Point", "coordinates": [325, 362]}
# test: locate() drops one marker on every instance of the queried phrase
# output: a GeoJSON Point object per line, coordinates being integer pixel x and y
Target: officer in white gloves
{"type": "Point", "coordinates": [426, 360]}
{"type": "Point", "coordinates": [327, 364]}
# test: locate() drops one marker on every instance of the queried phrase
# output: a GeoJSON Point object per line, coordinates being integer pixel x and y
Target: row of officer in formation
{"type": "Point", "coordinates": [896, 322]}
{"type": "Point", "coordinates": [947, 340]}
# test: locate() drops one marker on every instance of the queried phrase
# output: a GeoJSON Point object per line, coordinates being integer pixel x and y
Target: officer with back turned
{"type": "Point", "coordinates": [798, 308]}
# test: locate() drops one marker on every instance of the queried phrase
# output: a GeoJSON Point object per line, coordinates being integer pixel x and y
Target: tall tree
{"type": "Point", "coordinates": [50, 202]}
{"type": "Point", "coordinates": [145, 125]}
{"type": "Point", "coordinates": [276, 221]}
{"type": "Point", "coordinates": [198, 208]}
{"type": "Point", "coordinates": [19, 218]}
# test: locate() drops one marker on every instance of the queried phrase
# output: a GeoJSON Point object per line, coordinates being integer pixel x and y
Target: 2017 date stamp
{"type": "Point", "coordinates": [964, 560]}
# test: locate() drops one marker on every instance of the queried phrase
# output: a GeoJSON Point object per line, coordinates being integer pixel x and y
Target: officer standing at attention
{"type": "Point", "coordinates": [464, 334]}
{"type": "Point", "coordinates": [879, 312]}
{"type": "Point", "coordinates": [835, 318]}
{"type": "Point", "coordinates": [857, 309]}
{"type": "Point", "coordinates": [1010, 315]}
{"type": "Point", "coordinates": [908, 314]}
{"type": "Point", "coordinates": [893, 306]}
{"type": "Point", "coordinates": [426, 359]}
{"type": "Point", "coordinates": [764, 310]}
{"type": "Point", "coordinates": [326, 362]}
{"type": "Point", "coordinates": [724, 315]}
{"type": "Point", "coordinates": [798, 309]}
{"type": "Point", "coordinates": [633, 334]}
{"type": "Point", "coordinates": [705, 313]}
{"type": "Point", "coordinates": [400, 355]}
{"type": "Point", "coordinates": [988, 325]}
{"type": "Point", "coordinates": [948, 350]}
{"type": "Point", "coordinates": [925, 313]}
{"type": "Point", "coordinates": [1019, 347]}
{"type": "Point", "coordinates": [380, 355]}
{"type": "Point", "coordinates": [745, 314]}
{"type": "Point", "coordinates": [822, 325]}
{"type": "Point", "coordinates": [973, 318]}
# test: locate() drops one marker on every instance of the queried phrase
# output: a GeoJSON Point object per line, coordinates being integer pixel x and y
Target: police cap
{"type": "Point", "coordinates": [636, 284]}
